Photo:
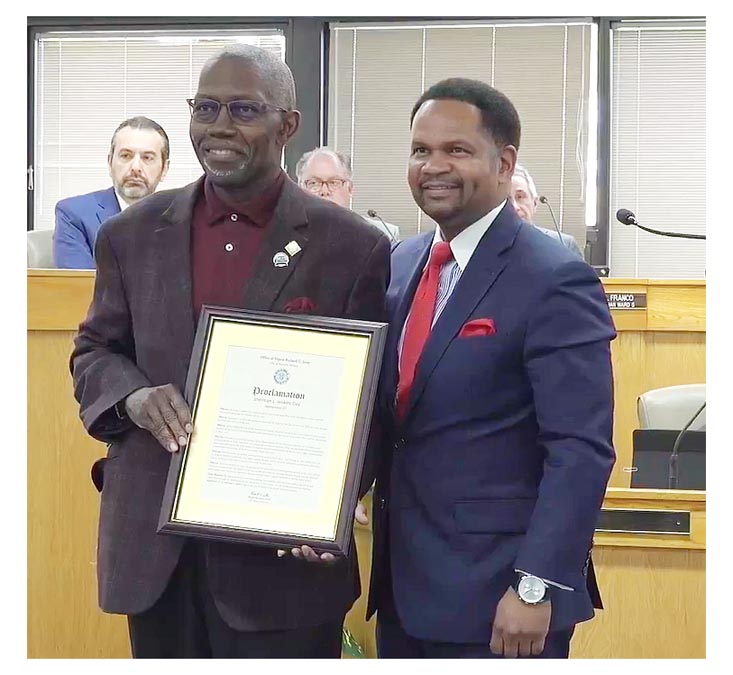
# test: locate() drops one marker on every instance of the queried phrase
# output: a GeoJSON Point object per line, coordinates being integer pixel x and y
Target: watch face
{"type": "Point", "coordinates": [531, 589]}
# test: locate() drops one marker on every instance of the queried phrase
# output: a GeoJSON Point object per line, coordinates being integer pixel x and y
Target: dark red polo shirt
{"type": "Point", "coordinates": [225, 239]}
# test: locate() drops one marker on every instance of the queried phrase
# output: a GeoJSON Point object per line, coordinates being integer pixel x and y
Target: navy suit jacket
{"type": "Point", "coordinates": [78, 220]}
{"type": "Point", "coordinates": [504, 455]}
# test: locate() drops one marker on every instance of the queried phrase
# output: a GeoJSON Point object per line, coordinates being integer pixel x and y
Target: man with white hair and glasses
{"type": "Point", "coordinates": [327, 173]}
{"type": "Point", "coordinates": [525, 198]}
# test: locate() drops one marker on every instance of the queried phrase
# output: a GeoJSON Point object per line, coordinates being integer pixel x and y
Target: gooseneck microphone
{"type": "Point", "coordinates": [373, 214]}
{"type": "Point", "coordinates": [546, 201]}
{"type": "Point", "coordinates": [628, 218]}
{"type": "Point", "coordinates": [672, 477]}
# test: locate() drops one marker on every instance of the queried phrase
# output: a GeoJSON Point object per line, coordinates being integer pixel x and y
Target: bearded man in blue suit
{"type": "Point", "coordinates": [496, 401]}
{"type": "Point", "coordinates": [138, 160]}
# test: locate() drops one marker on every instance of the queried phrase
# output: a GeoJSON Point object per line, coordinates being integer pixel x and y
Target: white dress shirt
{"type": "Point", "coordinates": [462, 247]}
{"type": "Point", "coordinates": [123, 204]}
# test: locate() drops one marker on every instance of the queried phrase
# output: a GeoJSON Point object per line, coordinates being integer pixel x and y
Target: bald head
{"type": "Point", "coordinates": [275, 74]}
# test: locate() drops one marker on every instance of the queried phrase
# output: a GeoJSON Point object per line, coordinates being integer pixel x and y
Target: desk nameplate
{"type": "Point", "coordinates": [644, 521]}
{"type": "Point", "coordinates": [625, 301]}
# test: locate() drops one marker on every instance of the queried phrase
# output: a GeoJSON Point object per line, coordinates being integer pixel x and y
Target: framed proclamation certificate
{"type": "Point", "coordinates": [282, 407]}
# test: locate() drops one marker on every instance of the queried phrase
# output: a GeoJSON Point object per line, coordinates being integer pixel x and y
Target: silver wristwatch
{"type": "Point", "coordinates": [531, 590]}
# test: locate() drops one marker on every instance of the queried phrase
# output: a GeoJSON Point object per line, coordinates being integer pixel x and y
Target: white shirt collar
{"type": "Point", "coordinates": [123, 204]}
{"type": "Point", "coordinates": [464, 244]}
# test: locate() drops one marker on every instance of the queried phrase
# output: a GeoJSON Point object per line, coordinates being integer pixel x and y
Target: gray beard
{"type": "Point", "coordinates": [134, 192]}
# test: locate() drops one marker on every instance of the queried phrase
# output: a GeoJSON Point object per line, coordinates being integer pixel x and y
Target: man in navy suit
{"type": "Point", "coordinates": [138, 160]}
{"type": "Point", "coordinates": [496, 401]}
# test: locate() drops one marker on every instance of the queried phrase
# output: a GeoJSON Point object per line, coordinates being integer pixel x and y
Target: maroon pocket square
{"type": "Point", "coordinates": [478, 328]}
{"type": "Point", "coordinates": [299, 306]}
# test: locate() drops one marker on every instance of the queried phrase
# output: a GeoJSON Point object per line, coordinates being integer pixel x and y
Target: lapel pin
{"type": "Point", "coordinates": [280, 259]}
{"type": "Point", "coordinates": [292, 248]}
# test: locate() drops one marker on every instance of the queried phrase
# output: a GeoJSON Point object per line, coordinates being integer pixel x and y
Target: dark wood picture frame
{"type": "Point", "coordinates": [210, 314]}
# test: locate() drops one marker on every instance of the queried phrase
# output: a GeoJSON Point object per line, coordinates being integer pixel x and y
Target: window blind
{"type": "Point", "coordinates": [88, 83]}
{"type": "Point", "coordinates": [658, 166]}
{"type": "Point", "coordinates": [376, 73]}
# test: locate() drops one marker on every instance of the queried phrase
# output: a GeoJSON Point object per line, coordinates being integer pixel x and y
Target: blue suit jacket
{"type": "Point", "coordinates": [505, 452]}
{"type": "Point", "coordinates": [78, 220]}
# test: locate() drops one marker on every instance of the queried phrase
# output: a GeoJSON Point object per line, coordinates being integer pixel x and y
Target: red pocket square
{"type": "Point", "coordinates": [299, 306]}
{"type": "Point", "coordinates": [477, 328]}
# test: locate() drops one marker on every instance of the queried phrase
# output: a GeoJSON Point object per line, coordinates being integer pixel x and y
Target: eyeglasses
{"type": "Point", "coordinates": [206, 110]}
{"type": "Point", "coordinates": [315, 184]}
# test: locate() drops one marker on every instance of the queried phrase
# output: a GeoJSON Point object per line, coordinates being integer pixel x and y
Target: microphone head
{"type": "Point", "coordinates": [371, 213]}
{"type": "Point", "coordinates": [543, 199]}
{"type": "Point", "coordinates": [626, 217]}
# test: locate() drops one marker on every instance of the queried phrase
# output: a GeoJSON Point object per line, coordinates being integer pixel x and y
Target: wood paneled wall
{"type": "Point", "coordinates": [660, 346]}
{"type": "Point", "coordinates": [653, 585]}
{"type": "Point", "coordinates": [654, 603]}
{"type": "Point", "coordinates": [63, 506]}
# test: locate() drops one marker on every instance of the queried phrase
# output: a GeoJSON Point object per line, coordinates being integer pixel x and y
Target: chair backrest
{"type": "Point", "coordinates": [672, 407]}
{"type": "Point", "coordinates": [40, 249]}
{"type": "Point", "coordinates": [652, 450]}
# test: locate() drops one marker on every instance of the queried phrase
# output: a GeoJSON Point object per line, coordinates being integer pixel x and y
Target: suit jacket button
{"type": "Point", "coordinates": [382, 502]}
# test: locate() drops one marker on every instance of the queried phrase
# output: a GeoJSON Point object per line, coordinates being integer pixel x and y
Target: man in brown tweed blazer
{"type": "Point", "coordinates": [213, 242]}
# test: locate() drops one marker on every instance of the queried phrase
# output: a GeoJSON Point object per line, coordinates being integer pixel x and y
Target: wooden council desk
{"type": "Point", "coordinates": [653, 586]}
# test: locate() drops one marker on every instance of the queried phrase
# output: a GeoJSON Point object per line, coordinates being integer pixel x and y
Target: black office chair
{"type": "Point", "coordinates": [663, 414]}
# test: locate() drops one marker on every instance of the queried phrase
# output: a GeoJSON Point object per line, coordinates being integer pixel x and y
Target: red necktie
{"type": "Point", "coordinates": [420, 322]}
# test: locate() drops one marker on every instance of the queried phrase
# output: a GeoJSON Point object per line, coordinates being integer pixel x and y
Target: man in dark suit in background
{"type": "Point", "coordinates": [524, 198]}
{"type": "Point", "coordinates": [139, 157]}
{"type": "Point", "coordinates": [244, 235]}
{"type": "Point", "coordinates": [497, 400]}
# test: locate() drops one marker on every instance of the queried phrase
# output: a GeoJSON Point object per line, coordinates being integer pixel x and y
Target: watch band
{"type": "Point", "coordinates": [120, 410]}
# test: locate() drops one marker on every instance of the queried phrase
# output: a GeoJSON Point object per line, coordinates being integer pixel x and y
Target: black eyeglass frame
{"type": "Point", "coordinates": [260, 106]}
